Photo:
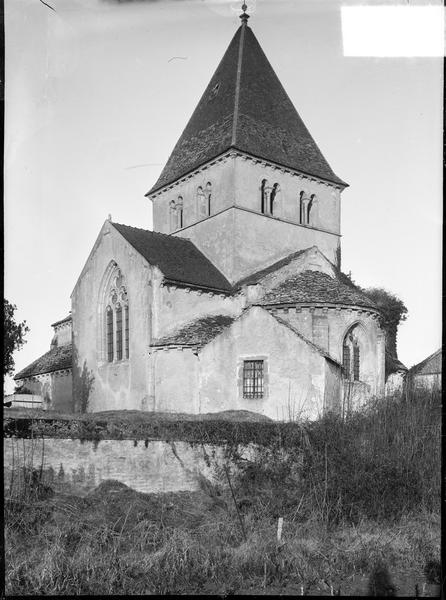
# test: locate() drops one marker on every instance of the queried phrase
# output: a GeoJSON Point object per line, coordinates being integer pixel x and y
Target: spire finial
{"type": "Point", "coordinates": [244, 16]}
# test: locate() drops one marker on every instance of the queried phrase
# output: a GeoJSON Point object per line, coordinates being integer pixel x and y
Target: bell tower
{"type": "Point", "coordinates": [246, 182]}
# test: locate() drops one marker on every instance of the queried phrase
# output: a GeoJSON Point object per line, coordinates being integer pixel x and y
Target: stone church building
{"type": "Point", "coordinates": [236, 300]}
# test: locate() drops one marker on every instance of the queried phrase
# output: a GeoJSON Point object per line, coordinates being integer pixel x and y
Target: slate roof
{"type": "Point", "coordinates": [315, 287]}
{"type": "Point", "coordinates": [66, 320]}
{"type": "Point", "coordinates": [429, 366]}
{"type": "Point", "coordinates": [55, 360]}
{"type": "Point", "coordinates": [196, 333]}
{"type": "Point", "coordinates": [315, 347]}
{"type": "Point", "coordinates": [245, 107]}
{"type": "Point", "coordinates": [179, 259]}
{"type": "Point", "coordinates": [256, 277]}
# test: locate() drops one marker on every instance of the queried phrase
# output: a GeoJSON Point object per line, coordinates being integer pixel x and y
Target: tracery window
{"type": "Point", "coordinates": [117, 319]}
{"type": "Point", "coordinates": [351, 356]}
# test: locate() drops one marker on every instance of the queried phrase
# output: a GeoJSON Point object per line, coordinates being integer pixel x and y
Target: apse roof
{"type": "Point", "coordinates": [57, 359]}
{"type": "Point", "coordinates": [316, 287]}
{"type": "Point", "coordinates": [179, 259]}
{"type": "Point", "coordinates": [245, 107]}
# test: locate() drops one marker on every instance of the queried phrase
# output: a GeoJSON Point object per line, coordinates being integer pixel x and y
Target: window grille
{"type": "Point", "coordinates": [253, 379]}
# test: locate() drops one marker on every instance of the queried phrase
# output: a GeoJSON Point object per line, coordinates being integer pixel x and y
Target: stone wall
{"type": "Point", "coordinates": [77, 467]}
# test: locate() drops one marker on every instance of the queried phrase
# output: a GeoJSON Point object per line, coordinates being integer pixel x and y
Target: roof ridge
{"type": "Point", "coordinates": [271, 267]}
{"type": "Point", "coordinates": [238, 76]}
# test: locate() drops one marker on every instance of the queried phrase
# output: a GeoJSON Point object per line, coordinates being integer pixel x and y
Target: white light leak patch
{"type": "Point", "coordinates": [398, 31]}
{"type": "Point", "coordinates": [229, 8]}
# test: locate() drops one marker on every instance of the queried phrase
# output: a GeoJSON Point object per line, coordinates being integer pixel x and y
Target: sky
{"type": "Point", "coordinates": [96, 100]}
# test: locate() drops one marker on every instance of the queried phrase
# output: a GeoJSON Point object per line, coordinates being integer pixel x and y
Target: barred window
{"type": "Point", "coordinates": [253, 379]}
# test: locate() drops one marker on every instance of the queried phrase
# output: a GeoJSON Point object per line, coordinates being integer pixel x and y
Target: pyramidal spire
{"type": "Point", "coordinates": [245, 107]}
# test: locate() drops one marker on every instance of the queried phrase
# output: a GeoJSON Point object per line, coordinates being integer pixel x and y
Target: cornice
{"type": "Point", "coordinates": [246, 156]}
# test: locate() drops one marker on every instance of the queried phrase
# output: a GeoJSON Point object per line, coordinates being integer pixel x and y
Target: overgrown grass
{"type": "Point", "coordinates": [353, 494]}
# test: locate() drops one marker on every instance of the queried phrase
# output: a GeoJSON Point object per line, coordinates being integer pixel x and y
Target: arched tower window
{"type": "Point", "coordinates": [273, 198]}
{"type": "Point", "coordinates": [173, 215]}
{"type": "Point", "coordinates": [263, 197]}
{"type": "Point", "coordinates": [351, 359]}
{"type": "Point", "coordinates": [309, 207]}
{"type": "Point", "coordinates": [201, 203]}
{"type": "Point", "coordinates": [116, 317]}
{"type": "Point", "coordinates": [208, 195]}
{"type": "Point", "coordinates": [179, 209]}
{"type": "Point", "coordinates": [305, 205]}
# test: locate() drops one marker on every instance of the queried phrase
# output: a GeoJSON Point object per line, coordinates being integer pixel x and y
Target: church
{"type": "Point", "coordinates": [236, 300]}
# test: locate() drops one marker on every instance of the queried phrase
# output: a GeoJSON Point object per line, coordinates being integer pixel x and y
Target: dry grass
{"type": "Point", "coordinates": [355, 494]}
{"type": "Point", "coordinates": [117, 541]}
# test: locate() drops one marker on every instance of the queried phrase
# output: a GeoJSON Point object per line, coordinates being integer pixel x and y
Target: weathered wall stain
{"type": "Point", "coordinates": [75, 467]}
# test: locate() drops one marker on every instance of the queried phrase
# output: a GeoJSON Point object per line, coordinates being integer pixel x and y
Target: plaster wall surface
{"type": "Point", "coordinates": [176, 375]}
{"type": "Point", "coordinates": [221, 177]}
{"type": "Point", "coordinates": [338, 322]}
{"type": "Point", "coordinates": [178, 306]}
{"type": "Point", "coordinates": [62, 334]}
{"type": "Point", "coordinates": [294, 373]}
{"type": "Point", "coordinates": [54, 389]}
{"type": "Point", "coordinates": [121, 384]}
{"type": "Point", "coordinates": [325, 210]}
{"type": "Point", "coordinates": [240, 241]}
{"type": "Point", "coordinates": [428, 382]}
{"type": "Point", "coordinates": [76, 467]}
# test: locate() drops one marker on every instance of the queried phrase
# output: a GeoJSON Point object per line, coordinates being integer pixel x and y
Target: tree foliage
{"type": "Point", "coordinates": [394, 311]}
{"type": "Point", "coordinates": [14, 336]}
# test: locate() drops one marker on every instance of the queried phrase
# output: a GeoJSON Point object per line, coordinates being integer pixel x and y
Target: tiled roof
{"type": "Point", "coordinates": [245, 107]}
{"type": "Point", "coordinates": [256, 277]}
{"type": "Point", "coordinates": [196, 333]}
{"type": "Point", "coordinates": [179, 259]}
{"type": "Point", "coordinates": [66, 320]}
{"type": "Point", "coordinates": [55, 360]}
{"type": "Point", "coordinates": [315, 347]}
{"type": "Point", "coordinates": [429, 366]}
{"type": "Point", "coordinates": [315, 287]}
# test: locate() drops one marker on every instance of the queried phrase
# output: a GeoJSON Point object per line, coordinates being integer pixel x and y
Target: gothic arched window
{"type": "Point", "coordinates": [117, 330]}
{"type": "Point", "coordinates": [208, 195]}
{"type": "Point", "coordinates": [351, 355]}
